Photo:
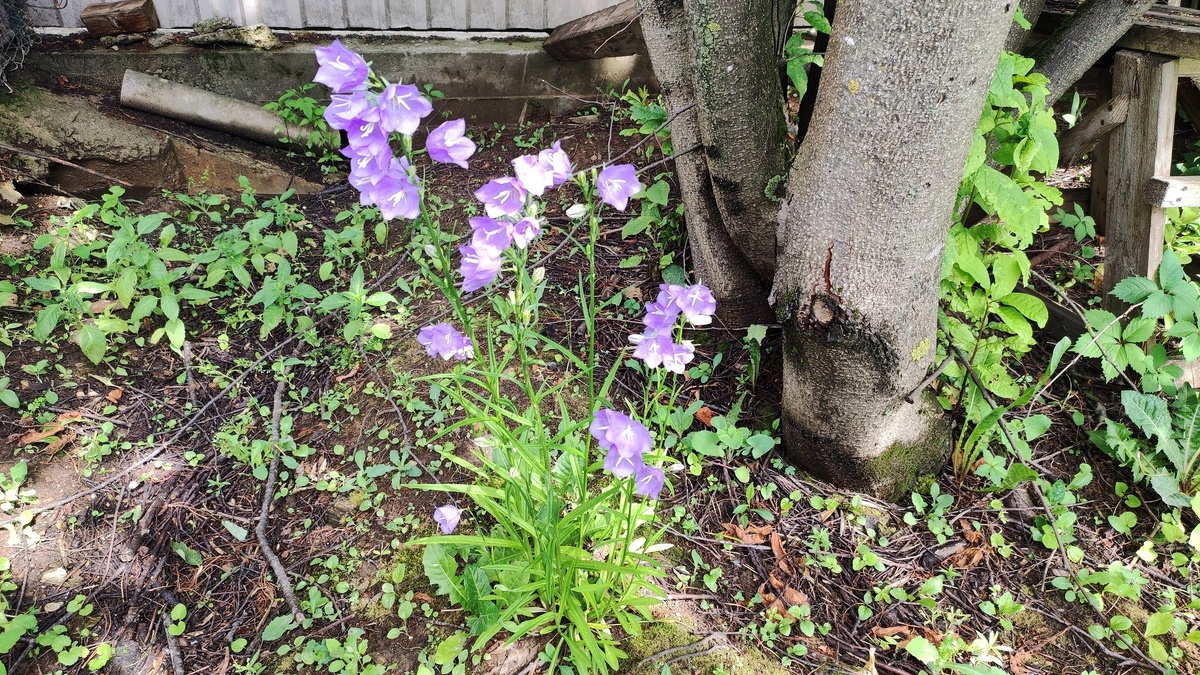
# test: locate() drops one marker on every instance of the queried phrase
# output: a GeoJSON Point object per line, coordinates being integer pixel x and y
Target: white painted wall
{"type": "Point", "coordinates": [370, 14]}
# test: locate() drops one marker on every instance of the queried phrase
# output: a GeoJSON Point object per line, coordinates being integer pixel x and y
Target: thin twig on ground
{"type": "Point", "coordinates": [268, 493]}
{"type": "Point", "coordinates": [56, 160]}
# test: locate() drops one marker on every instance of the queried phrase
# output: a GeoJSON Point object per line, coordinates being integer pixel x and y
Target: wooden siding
{"type": "Point", "coordinates": [364, 14]}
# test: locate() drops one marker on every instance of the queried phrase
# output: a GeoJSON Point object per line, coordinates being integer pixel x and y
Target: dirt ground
{"type": "Point", "coordinates": [146, 500]}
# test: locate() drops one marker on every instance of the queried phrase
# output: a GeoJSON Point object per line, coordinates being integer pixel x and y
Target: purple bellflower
{"type": "Point", "coordinates": [344, 109]}
{"type": "Point", "coordinates": [447, 144]}
{"type": "Point", "coordinates": [616, 184]}
{"type": "Point", "coordinates": [480, 265]}
{"type": "Point", "coordinates": [491, 233]}
{"type": "Point", "coordinates": [447, 516]}
{"type": "Point", "coordinates": [697, 304]}
{"type": "Point", "coordinates": [501, 196]}
{"type": "Point", "coordinates": [648, 481]}
{"type": "Point", "coordinates": [402, 107]}
{"type": "Point", "coordinates": [554, 160]}
{"type": "Point", "coordinates": [396, 194]}
{"type": "Point", "coordinates": [526, 230]}
{"type": "Point", "coordinates": [532, 175]}
{"type": "Point", "coordinates": [625, 439]}
{"type": "Point", "coordinates": [341, 70]}
{"type": "Point", "coordinates": [444, 341]}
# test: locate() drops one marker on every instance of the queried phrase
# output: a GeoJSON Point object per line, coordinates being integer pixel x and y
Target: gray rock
{"type": "Point", "coordinates": [259, 37]}
{"type": "Point", "coordinates": [124, 39]}
{"type": "Point", "coordinates": [161, 40]}
{"type": "Point", "coordinates": [212, 25]}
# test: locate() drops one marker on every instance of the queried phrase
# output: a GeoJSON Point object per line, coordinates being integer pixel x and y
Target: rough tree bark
{"type": "Point", "coordinates": [862, 232]}
{"type": "Point", "coordinates": [1083, 38]}
{"type": "Point", "coordinates": [741, 293]}
{"type": "Point", "coordinates": [720, 58]}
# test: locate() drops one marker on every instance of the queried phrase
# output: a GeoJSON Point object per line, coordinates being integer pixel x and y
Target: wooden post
{"type": "Point", "coordinates": [1098, 184]}
{"type": "Point", "coordinates": [1138, 151]}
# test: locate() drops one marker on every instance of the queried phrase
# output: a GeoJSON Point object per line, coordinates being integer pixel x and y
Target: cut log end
{"type": "Point", "coordinates": [115, 18]}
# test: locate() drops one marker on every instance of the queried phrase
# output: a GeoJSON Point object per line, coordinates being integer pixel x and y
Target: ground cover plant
{"type": "Point", "coordinates": [466, 455]}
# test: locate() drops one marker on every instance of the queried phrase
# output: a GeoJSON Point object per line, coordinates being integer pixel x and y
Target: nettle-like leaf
{"type": "Point", "coordinates": [442, 570]}
{"type": "Point", "coordinates": [1134, 289]}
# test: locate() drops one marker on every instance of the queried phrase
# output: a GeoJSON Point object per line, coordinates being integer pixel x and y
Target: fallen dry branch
{"type": "Point", "coordinates": [268, 492]}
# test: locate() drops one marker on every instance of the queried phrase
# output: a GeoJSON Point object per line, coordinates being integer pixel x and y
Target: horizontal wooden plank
{"type": "Point", "coordinates": [612, 31]}
{"type": "Point", "coordinates": [1189, 67]}
{"type": "Point", "coordinates": [1173, 191]}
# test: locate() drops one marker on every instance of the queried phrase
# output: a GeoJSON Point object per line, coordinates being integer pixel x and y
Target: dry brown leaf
{"type": "Point", "coordinates": [114, 395]}
{"type": "Point", "coordinates": [1016, 662]}
{"type": "Point", "coordinates": [755, 534]}
{"type": "Point", "coordinates": [888, 631]}
{"type": "Point", "coordinates": [8, 193]}
{"type": "Point", "coordinates": [349, 374]}
{"type": "Point", "coordinates": [52, 429]}
{"type": "Point", "coordinates": [794, 597]}
{"type": "Point", "coordinates": [777, 606]}
{"type": "Point", "coordinates": [705, 415]}
{"type": "Point", "coordinates": [774, 580]}
{"type": "Point", "coordinates": [780, 554]}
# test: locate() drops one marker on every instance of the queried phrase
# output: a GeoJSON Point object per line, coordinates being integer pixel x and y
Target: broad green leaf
{"type": "Point", "coordinates": [91, 288]}
{"type": "Point", "coordinates": [1134, 289]}
{"type": "Point", "coordinates": [278, 626]}
{"type": "Point", "coordinates": [442, 570]}
{"type": "Point", "coordinates": [175, 332]}
{"type": "Point", "coordinates": [1170, 272]}
{"type": "Point", "coordinates": [1159, 623]}
{"type": "Point", "coordinates": [189, 555]}
{"type": "Point", "coordinates": [1007, 272]}
{"type": "Point", "coordinates": [1149, 412]}
{"type": "Point", "coordinates": [1015, 322]}
{"type": "Point", "coordinates": [1036, 425]}
{"type": "Point", "coordinates": [974, 268]}
{"type": "Point", "coordinates": [1031, 307]}
{"type": "Point", "coordinates": [922, 650]}
{"type": "Point", "coordinates": [92, 342]}
{"type": "Point", "coordinates": [1157, 305]}
{"type": "Point", "coordinates": [1168, 489]}
{"type": "Point", "coordinates": [448, 650]}
{"type": "Point", "coordinates": [1139, 329]}
{"type": "Point", "coordinates": [9, 398]}
{"type": "Point", "coordinates": [707, 444]}
{"type": "Point", "coordinates": [658, 193]}
{"type": "Point", "coordinates": [47, 321]}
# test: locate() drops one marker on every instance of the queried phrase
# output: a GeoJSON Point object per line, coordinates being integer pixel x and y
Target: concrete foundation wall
{"type": "Point", "coordinates": [495, 80]}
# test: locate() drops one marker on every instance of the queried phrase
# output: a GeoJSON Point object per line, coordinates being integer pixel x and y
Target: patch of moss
{"type": "Point", "coordinates": [905, 466]}
{"type": "Point", "coordinates": [739, 658]}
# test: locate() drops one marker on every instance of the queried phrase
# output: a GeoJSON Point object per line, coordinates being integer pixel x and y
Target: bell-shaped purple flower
{"type": "Point", "coordinates": [677, 356]}
{"type": "Point", "coordinates": [555, 161]}
{"type": "Point", "coordinates": [367, 137]}
{"type": "Point", "coordinates": [479, 267]}
{"type": "Point", "coordinates": [346, 108]}
{"type": "Point", "coordinates": [526, 230]}
{"type": "Point", "coordinates": [625, 439]}
{"type": "Point", "coordinates": [532, 176]}
{"type": "Point", "coordinates": [447, 517]}
{"type": "Point", "coordinates": [648, 481]}
{"type": "Point", "coordinates": [396, 195]}
{"type": "Point", "coordinates": [444, 341]}
{"type": "Point", "coordinates": [366, 168]}
{"type": "Point", "coordinates": [697, 304]}
{"type": "Point", "coordinates": [652, 345]}
{"type": "Point", "coordinates": [616, 184]}
{"type": "Point", "coordinates": [402, 107]}
{"type": "Point", "coordinates": [341, 70]}
{"type": "Point", "coordinates": [489, 232]}
{"type": "Point", "coordinates": [660, 315]}
{"type": "Point", "coordinates": [501, 196]}
{"type": "Point", "coordinates": [447, 143]}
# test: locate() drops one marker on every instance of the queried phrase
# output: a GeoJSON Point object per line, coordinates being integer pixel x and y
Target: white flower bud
{"type": "Point", "coordinates": [577, 211]}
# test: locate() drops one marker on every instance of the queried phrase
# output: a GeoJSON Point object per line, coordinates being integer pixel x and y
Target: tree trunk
{"type": "Point", "coordinates": [1018, 36]}
{"type": "Point", "coordinates": [870, 198]}
{"type": "Point", "coordinates": [721, 58]}
{"type": "Point", "coordinates": [741, 294]}
{"type": "Point", "coordinates": [1082, 39]}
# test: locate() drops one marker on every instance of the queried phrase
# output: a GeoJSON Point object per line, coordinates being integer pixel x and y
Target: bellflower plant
{"type": "Point", "coordinates": [560, 506]}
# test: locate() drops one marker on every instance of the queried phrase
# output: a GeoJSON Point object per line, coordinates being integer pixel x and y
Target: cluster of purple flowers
{"type": "Point", "coordinates": [626, 441]}
{"type": "Point", "coordinates": [656, 345]}
{"type": "Point", "coordinates": [370, 118]}
{"type": "Point", "coordinates": [444, 341]}
{"type": "Point", "coordinates": [511, 217]}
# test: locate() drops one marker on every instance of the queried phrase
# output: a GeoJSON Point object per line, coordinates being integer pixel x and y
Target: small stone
{"type": "Point", "coordinates": [55, 576]}
{"type": "Point", "coordinates": [125, 39]}
{"type": "Point", "coordinates": [159, 40]}
{"type": "Point", "coordinates": [212, 25]}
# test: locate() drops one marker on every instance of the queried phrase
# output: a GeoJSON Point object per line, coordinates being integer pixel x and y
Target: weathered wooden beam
{"type": "Point", "coordinates": [126, 16]}
{"type": "Point", "coordinates": [1139, 150]}
{"type": "Point", "coordinates": [1173, 191]}
{"type": "Point", "coordinates": [612, 31]}
{"type": "Point", "coordinates": [1079, 139]}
